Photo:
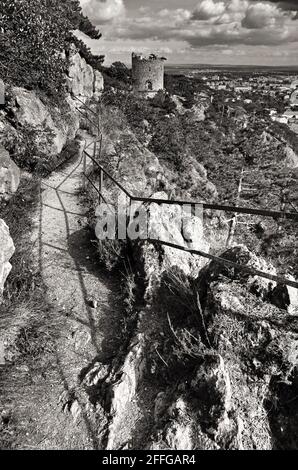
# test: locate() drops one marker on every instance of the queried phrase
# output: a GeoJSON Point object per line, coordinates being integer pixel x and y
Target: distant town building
{"type": "Point", "coordinates": [294, 98]}
{"type": "Point", "coordinates": [243, 89]}
{"type": "Point", "coordinates": [147, 74]}
{"type": "Point", "coordinates": [284, 88]}
{"type": "Point", "coordinates": [291, 114]}
{"type": "Point", "coordinates": [280, 118]}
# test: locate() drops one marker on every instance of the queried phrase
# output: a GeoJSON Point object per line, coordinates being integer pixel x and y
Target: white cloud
{"type": "Point", "coordinates": [237, 6]}
{"type": "Point", "coordinates": [262, 15]}
{"type": "Point", "coordinates": [234, 26]}
{"type": "Point", "coordinates": [179, 15]}
{"type": "Point", "coordinates": [207, 9]}
{"type": "Point", "coordinates": [103, 11]}
{"type": "Point", "coordinates": [217, 28]}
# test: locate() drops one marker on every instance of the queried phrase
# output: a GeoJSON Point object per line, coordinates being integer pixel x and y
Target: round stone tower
{"type": "Point", "coordinates": [147, 74]}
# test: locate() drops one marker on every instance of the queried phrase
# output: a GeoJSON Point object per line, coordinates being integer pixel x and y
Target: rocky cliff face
{"type": "Point", "coordinates": [83, 81]}
{"type": "Point", "coordinates": [9, 175]}
{"type": "Point", "coordinates": [56, 125]}
{"type": "Point", "coordinates": [141, 173]}
{"type": "Point", "coordinates": [211, 354]}
{"type": "Point", "coordinates": [291, 158]}
{"type": "Point", "coordinates": [215, 374]}
{"type": "Point", "coordinates": [6, 252]}
{"type": "Point", "coordinates": [259, 351]}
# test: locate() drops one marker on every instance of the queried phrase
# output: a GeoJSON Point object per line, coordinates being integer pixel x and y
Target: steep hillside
{"type": "Point", "coordinates": [203, 152]}
{"type": "Point", "coordinates": [209, 361]}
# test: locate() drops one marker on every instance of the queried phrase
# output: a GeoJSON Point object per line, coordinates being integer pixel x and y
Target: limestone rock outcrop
{"type": "Point", "coordinates": [178, 434]}
{"type": "Point", "coordinates": [55, 126]}
{"type": "Point", "coordinates": [123, 392]}
{"type": "Point", "coordinates": [240, 254]}
{"type": "Point", "coordinates": [199, 186]}
{"type": "Point", "coordinates": [197, 112]}
{"type": "Point", "coordinates": [9, 175]}
{"type": "Point", "coordinates": [175, 224]}
{"type": "Point", "coordinates": [98, 84]}
{"type": "Point", "coordinates": [291, 160]}
{"type": "Point", "coordinates": [6, 251]}
{"type": "Point", "coordinates": [83, 81]}
{"type": "Point", "coordinates": [60, 125]}
{"type": "Point", "coordinates": [259, 345]}
{"type": "Point", "coordinates": [286, 297]}
{"type": "Point", "coordinates": [282, 296]}
{"type": "Point", "coordinates": [240, 392]}
{"type": "Point", "coordinates": [8, 134]}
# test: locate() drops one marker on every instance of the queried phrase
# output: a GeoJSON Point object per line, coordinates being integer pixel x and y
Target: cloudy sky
{"type": "Point", "coordinates": [197, 31]}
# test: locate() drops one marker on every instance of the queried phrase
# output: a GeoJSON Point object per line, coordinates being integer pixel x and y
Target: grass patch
{"type": "Point", "coordinates": [178, 336]}
{"type": "Point", "coordinates": [24, 277]}
{"type": "Point", "coordinates": [33, 341]}
{"type": "Point", "coordinates": [24, 324]}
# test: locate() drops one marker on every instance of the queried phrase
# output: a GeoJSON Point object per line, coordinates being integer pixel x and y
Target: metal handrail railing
{"type": "Point", "coordinates": [249, 270]}
{"type": "Point", "coordinates": [86, 107]}
{"type": "Point", "coordinates": [241, 210]}
{"type": "Point", "coordinates": [232, 264]}
{"type": "Point", "coordinates": [221, 207]}
{"type": "Point", "coordinates": [109, 175]}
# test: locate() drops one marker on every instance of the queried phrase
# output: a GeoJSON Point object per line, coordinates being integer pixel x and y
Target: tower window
{"type": "Point", "coordinates": [149, 85]}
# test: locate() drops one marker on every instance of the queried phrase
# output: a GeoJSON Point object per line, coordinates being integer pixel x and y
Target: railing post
{"type": "Point", "coordinates": [100, 184]}
{"type": "Point", "coordinates": [233, 223]}
{"type": "Point", "coordinates": [84, 169]}
{"type": "Point", "coordinates": [100, 147]}
{"type": "Point", "coordinates": [94, 154]}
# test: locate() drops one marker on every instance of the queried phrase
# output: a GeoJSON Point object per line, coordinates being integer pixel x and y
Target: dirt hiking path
{"type": "Point", "coordinates": [50, 407]}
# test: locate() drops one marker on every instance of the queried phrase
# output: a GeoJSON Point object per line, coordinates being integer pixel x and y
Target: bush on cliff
{"type": "Point", "coordinates": [34, 35]}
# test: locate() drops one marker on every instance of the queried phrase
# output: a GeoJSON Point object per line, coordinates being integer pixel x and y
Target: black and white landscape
{"type": "Point", "coordinates": [148, 225]}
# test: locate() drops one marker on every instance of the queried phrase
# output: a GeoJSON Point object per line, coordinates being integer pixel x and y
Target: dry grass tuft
{"type": "Point", "coordinates": [129, 290]}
